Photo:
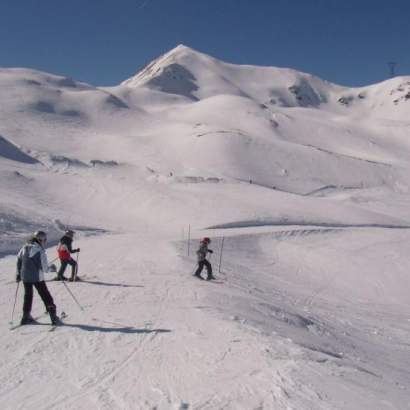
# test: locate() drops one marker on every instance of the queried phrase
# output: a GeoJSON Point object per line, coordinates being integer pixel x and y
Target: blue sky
{"type": "Point", "coordinates": [103, 42]}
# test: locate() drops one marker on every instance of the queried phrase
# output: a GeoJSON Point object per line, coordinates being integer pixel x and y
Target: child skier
{"type": "Point", "coordinates": [31, 266]}
{"type": "Point", "coordinates": [65, 250]}
{"type": "Point", "coordinates": [202, 261]}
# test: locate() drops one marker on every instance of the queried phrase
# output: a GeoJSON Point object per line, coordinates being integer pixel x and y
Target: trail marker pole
{"type": "Point", "coordinates": [220, 256]}
{"type": "Point", "coordinates": [189, 236]}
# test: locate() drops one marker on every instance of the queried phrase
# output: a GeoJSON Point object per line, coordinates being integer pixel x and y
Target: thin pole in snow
{"type": "Point", "coordinates": [15, 300]}
{"type": "Point", "coordinates": [76, 267]}
{"type": "Point", "coordinates": [189, 236]}
{"type": "Point", "coordinates": [220, 256]}
{"type": "Point", "coordinates": [49, 263]}
{"type": "Point", "coordinates": [72, 295]}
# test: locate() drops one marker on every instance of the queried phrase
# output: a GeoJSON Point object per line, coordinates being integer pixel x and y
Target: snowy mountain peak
{"type": "Point", "coordinates": [171, 72]}
{"type": "Point", "coordinates": [182, 48]}
{"type": "Point", "coordinates": [187, 72]}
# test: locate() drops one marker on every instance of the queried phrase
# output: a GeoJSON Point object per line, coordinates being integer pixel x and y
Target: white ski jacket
{"type": "Point", "coordinates": [32, 262]}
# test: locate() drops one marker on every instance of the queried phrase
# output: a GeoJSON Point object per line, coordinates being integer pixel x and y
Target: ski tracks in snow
{"type": "Point", "coordinates": [102, 389]}
{"type": "Point", "coordinates": [197, 345]}
{"type": "Point", "coordinates": [301, 294]}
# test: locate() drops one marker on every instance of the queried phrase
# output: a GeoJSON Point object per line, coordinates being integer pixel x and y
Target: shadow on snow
{"type": "Point", "coordinates": [97, 282]}
{"type": "Point", "coordinates": [126, 329]}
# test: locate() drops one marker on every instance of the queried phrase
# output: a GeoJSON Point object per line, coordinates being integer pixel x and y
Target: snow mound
{"type": "Point", "coordinates": [101, 163]}
{"type": "Point", "coordinates": [55, 98]}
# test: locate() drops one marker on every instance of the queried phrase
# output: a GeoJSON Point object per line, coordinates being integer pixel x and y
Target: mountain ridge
{"type": "Point", "coordinates": [193, 74]}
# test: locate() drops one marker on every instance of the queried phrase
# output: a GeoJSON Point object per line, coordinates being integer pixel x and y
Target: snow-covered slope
{"type": "Point", "coordinates": [307, 181]}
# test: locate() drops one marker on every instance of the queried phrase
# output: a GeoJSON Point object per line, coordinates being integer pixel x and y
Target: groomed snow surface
{"type": "Point", "coordinates": [306, 185]}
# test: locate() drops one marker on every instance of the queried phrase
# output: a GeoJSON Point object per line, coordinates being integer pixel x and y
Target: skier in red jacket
{"type": "Point", "coordinates": [65, 250]}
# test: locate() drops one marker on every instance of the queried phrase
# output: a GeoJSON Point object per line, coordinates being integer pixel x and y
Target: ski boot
{"type": "Point", "coordinates": [55, 320]}
{"type": "Point", "coordinates": [27, 319]}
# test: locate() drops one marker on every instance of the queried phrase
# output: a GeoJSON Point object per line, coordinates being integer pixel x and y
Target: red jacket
{"type": "Point", "coordinates": [63, 252]}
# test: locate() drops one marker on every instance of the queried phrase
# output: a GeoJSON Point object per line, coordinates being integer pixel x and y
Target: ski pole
{"type": "Point", "coordinates": [72, 295]}
{"type": "Point", "coordinates": [15, 300]}
{"type": "Point", "coordinates": [76, 268]}
{"type": "Point", "coordinates": [220, 256]}
{"type": "Point", "coordinates": [52, 261]}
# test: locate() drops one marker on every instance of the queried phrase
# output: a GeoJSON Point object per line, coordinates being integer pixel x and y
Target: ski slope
{"type": "Point", "coordinates": [306, 181]}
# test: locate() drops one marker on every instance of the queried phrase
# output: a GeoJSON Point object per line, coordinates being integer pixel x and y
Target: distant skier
{"type": "Point", "coordinates": [64, 251]}
{"type": "Point", "coordinates": [202, 253]}
{"type": "Point", "coordinates": [31, 266]}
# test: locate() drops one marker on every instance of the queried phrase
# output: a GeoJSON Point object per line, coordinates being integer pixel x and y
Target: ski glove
{"type": "Point", "coordinates": [210, 251]}
{"type": "Point", "coordinates": [18, 277]}
{"type": "Point", "coordinates": [77, 250]}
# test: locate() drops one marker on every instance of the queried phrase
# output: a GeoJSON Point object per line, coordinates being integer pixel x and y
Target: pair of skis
{"type": "Point", "coordinates": [63, 315]}
{"type": "Point", "coordinates": [206, 280]}
{"type": "Point", "coordinates": [76, 279]}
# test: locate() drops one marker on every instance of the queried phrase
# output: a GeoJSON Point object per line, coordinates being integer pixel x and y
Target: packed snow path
{"type": "Point", "coordinates": [151, 336]}
{"type": "Point", "coordinates": [144, 341]}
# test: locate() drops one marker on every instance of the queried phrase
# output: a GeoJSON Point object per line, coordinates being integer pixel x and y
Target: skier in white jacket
{"type": "Point", "coordinates": [31, 266]}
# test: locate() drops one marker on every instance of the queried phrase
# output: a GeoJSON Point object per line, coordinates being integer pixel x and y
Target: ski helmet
{"type": "Point", "coordinates": [206, 240]}
{"type": "Point", "coordinates": [69, 233]}
{"type": "Point", "coordinates": [40, 236]}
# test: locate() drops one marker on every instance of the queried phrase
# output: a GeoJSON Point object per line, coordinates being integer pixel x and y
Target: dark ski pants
{"type": "Point", "coordinates": [63, 266]}
{"type": "Point", "coordinates": [42, 291]}
{"type": "Point", "coordinates": [201, 265]}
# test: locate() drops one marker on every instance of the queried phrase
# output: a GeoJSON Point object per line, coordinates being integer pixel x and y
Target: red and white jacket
{"type": "Point", "coordinates": [64, 248]}
{"type": "Point", "coordinates": [63, 252]}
